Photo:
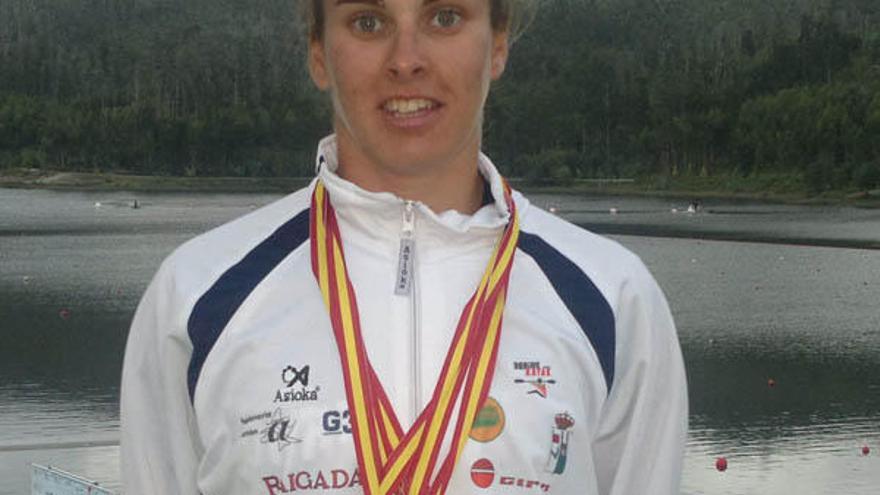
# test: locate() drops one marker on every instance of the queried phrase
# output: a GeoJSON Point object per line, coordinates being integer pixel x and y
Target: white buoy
{"type": "Point", "coordinates": [613, 211]}
{"type": "Point", "coordinates": [97, 204]}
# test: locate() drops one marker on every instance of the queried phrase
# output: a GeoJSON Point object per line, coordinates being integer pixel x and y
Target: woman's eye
{"type": "Point", "coordinates": [446, 18]}
{"type": "Point", "coordinates": [367, 23]}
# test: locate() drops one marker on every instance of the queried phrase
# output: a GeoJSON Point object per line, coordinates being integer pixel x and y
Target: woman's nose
{"type": "Point", "coordinates": [407, 58]}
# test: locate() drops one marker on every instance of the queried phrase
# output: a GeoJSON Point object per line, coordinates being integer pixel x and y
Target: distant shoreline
{"type": "Point", "coordinates": [110, 181]}
{"type": "Point", "coordinates": [864, 199]}
{"type": "Point", "coordinates": [691, 190]}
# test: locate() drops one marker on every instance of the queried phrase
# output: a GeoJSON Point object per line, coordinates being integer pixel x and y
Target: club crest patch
{"type": "Point", "coordinates": [562, 425]}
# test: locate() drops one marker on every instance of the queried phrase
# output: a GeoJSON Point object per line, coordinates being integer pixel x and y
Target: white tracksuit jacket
{"type": "Point", "coordinates": [232, 382]}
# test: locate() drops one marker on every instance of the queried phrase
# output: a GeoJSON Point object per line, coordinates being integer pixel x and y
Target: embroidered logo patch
{"type": "Point", "coordinates": [489, 422]}
{"type": "Point", "coordinates": [279, 431]}
{"type": "Point", "coordinates": [483, 473]}
{"type": "Point", "coordinates": [483, 476]}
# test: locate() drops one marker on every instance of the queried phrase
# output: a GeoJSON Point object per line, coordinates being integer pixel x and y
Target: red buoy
{"type": "Point", "coordinates": [771, 383]}
{"type": "Point", "coordinates": [64, 313]}
{"type": "Point", "coordinates": [866, 450]}
{"type": "Point", "coordinates": [721, 464]}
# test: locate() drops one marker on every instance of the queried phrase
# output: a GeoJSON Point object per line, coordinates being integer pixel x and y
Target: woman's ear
{"type": "Point", "coordinates": [318, 65]}
{"type": "Point", "coordinates": [500, 50]}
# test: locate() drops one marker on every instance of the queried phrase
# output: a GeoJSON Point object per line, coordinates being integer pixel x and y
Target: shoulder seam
{"type": "Point", "coordinates": [580, 295]}
{"type": "Point", "coordinates": [216, 306]}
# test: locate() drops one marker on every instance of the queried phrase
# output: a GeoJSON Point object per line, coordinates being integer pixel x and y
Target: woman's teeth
{"type": "Point", "coordinates": [401, 106]}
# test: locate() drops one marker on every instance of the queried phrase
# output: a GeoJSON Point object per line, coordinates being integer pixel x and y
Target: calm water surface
{"type": "Point", "coordinates": [759, 292]}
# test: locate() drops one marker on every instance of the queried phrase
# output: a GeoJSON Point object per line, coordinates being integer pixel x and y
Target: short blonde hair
{"type": "Point", "coordinates": [512, 16]}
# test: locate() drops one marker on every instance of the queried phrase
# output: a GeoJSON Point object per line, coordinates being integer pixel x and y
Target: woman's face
{"type": "Point", "coordinates": [408, 79]}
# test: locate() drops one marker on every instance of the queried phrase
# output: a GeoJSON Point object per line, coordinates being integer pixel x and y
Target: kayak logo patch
{"type": "Point", "coordinates": [489, 422]}
{"type": "Point", "coordinates": [533, 373]}
{"type": "Point", "coordinates": [562, 425]}
{"type": "Point", "coordinates": [290, 377]}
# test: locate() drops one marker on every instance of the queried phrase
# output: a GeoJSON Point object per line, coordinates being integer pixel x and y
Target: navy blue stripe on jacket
{"type": "Point", "coordinates": [580, 295]}
{"type": "Point", "coordinates": [215, 308]}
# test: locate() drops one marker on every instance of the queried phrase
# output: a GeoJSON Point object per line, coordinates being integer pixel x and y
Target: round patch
{"type": "Point", "coordinates": [483, 473]}
{"type": "Point", "coordinates": [489, 422]}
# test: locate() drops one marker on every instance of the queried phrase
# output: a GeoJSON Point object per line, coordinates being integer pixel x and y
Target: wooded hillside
{"type": "Point", "coordinates": [595, 88]}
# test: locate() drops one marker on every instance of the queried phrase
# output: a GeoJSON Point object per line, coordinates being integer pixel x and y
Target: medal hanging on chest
{"type": "Point", "coordinates": [391, 460]}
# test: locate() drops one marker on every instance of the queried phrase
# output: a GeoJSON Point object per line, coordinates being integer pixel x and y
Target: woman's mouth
{"type": "Point", "coordinates": [412, 114]}
{"type": "Point", "coordinates": [409, 107]}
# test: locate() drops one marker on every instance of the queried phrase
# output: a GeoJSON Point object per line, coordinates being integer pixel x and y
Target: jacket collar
{"type": "Point", "coordinates": [381, 213]}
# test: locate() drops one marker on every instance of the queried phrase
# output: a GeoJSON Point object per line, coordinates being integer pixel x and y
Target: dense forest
{"type": "Point", "coordinates": [594, 89]}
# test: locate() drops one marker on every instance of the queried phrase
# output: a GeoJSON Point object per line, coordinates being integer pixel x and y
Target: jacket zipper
{"type": "Point", "coordinates": [407, 285]}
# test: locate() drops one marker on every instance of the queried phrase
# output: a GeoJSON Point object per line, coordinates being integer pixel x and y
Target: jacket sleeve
{"type": "Point", "coordinates": [639, 444]}
{"type": "Point", "coordinates": [159, 444]}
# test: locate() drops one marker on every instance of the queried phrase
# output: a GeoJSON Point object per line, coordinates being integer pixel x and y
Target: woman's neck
{"type": "Point", "coordinates": [457, 188]}
{"type": "Point", "coordinates": [464, 196]}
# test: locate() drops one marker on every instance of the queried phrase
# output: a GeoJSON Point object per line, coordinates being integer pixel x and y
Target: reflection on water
{"type": "Point", "coordinates": [807, 460]}
{"type": "Point", "coordinates": [804, 317]}
{"type": "Point", "coordinates": [782, 346]}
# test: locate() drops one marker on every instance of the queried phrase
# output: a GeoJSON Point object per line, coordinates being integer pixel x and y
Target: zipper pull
{"type": "Point", "coordinates": [404, 281]}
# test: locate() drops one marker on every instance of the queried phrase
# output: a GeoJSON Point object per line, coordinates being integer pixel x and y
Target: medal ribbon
{"type": "Point", "coordinates": [389, 459]}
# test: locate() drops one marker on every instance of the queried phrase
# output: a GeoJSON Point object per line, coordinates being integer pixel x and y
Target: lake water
{"type": "Point", "coordinates": [760, 292]}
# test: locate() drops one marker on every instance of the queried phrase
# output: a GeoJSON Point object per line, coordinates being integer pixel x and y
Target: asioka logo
{"type": "Point", "coordinates": [292, 376]}
{"type": "Point", "coordinates": [336, 479]}
{"type": "Point", "coordinates": [483, 475]}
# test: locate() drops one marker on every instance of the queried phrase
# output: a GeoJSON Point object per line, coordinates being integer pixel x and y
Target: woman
{"type": "Point", "coordinates": [407, 323]}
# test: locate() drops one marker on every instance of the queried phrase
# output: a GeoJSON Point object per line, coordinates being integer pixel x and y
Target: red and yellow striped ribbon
{"type": "Point", "coordinates": [389, 459]}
